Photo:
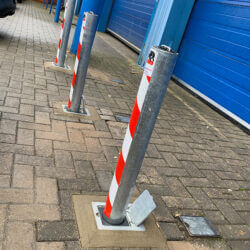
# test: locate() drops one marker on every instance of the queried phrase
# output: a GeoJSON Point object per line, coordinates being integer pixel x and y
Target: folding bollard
{"type": "Point", "coordinates": [65, 32]}
{"type": "Point", "coordinates": [63, 41]}
{"type": "Point", "coordinates": [153, 86]}
{"type": "Point", "coordinates": [87, 36]}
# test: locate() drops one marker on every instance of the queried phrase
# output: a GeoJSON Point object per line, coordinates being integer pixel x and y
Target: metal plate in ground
{"type": "Point", "coordinates": [92, 237]}
{"type": "Point", "coordinates": [127, 226]}
{"type": "Point", "coordinates": [81, 111]}
{"type": "Point", "coordinates": [117, 81]}
{"type": "Point", "coordinates": [199, 226]}
{"type": "Point", "coordinates": [52, 66]}
{"type": "Point", "coordinates": [122, 118]}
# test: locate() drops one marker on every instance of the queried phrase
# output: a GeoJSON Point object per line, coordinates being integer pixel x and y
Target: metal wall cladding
{"type": "Point", "coordinates": [130, 19]}
{"type": "Point", "coordinates": [215, 54]}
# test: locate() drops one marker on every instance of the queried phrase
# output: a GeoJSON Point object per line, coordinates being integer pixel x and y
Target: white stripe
{"type": "Point", "coordinates": [58, 51]}
{"type": "Point", "coordinates": [76, 65]}
{"type": "Point", "coordinates": [126, 144]}
{"type": "Point", "coordinates": [148, 69]}
{"type": "Point", "coordinates": [142, 91]}
{"type": "Point", "coordinates": [81, 36]}
{"type": "Point", "coordinates": [71, 93]}
{"type": "Point", "coordinates": [113, 190]}
{"type": "Point", "coordinates": [61, 34]}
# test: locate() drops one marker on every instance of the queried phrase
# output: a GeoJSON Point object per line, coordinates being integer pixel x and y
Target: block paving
{"type": "Point", "coordinates": [197, 162]}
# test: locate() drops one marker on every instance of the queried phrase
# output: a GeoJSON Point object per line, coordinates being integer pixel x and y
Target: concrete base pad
{"type": "Point", "coordinates": [90, 236]}
{"type": "Point", "coordinates": [52, 66]}
{"type": "Point", "coordinates": [93, 115]}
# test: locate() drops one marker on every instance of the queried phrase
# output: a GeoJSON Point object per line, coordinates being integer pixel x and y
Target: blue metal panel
{"type": "Point", "coordinates": [78, 7]}
{"type": "Point", "coordinates": [215, 54]}
{"type": "Point", "coordinates": [168, 26]}
{"type": "Point", "coordinates": [130, 19]}
{"type": "Point", "coordinates": [104, 17]}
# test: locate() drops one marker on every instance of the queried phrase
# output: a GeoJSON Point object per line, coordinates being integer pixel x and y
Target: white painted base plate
{"type": "Point", "coordinates": [101, 226]}
{"type": "Point", "coordinates": [65, 109]}
{"type": "Point", "coordinates": [65, 66]}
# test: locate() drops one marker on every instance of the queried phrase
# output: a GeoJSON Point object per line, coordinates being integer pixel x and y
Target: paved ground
{"type": "Point", "coordinates": [197, 162]}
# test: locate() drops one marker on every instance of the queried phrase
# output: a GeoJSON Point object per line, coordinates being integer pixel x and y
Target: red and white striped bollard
{"type": "Point", "coordinates": [152, 89]}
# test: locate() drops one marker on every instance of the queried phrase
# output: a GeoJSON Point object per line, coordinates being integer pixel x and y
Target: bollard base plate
{"type": "Point", "coordinates": [52, 66]}
{"type": "Point", "coordinates": [82, 111]}
{"type": "Point", "coordinates": [92, 237]}
{"type": "Point", "coordinates": [103, 225]}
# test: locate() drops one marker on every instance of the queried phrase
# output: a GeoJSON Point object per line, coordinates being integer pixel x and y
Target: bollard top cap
{"type": "Point", "coordinates": [166, 48]}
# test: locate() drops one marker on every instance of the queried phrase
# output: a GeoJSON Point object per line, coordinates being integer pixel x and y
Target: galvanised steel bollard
{"type": "Point", "coordinates": [87, 36]}
{"type": "Point", "coordinates": [58, 9]}
{"type": "Point", "coordinates": [65, 32]}
{"type": "Point", "coordinates": [157, 73]}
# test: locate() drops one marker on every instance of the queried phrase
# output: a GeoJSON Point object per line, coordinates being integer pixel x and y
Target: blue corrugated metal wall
{"type": "Point", "coordinates": [130, 19]}
{"type": "Point", "coordinates": [215, 54]}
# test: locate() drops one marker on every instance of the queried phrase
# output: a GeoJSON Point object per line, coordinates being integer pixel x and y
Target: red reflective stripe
{"type": "Point", "coordinates": [56, 60]}
{"type": "Point", "coordinates": [63, 23]}
{"type": "Point", "coordinates": [150, 62]}
{"type": "Point", "coordinates": [149, 78]}
{"type": "Point", "coordinates": [60, 41]}
{"type": "Point", "coordinates": [78, 50]}
{"type": "Point", "coordinates": [119, 168]}
{"type": "Point", "coordinates": [134, 119]}
{"type": "Point", "coordinates": [69, 104]}
{"type": "Point", "coordinates": [107, 208]}
{"type": "Point", "coordinates": [74, 79]}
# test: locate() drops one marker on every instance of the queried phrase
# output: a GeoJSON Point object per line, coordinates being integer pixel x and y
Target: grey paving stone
{"type": "Point", "coordinates": [239, 244]}
{"type": "Point", "coordinates": [230, 214]}
{"type": "Point", "coordinates": [201, 198]}
{"type": "Point", "coordinates": [104, 179]}
{"type": "Point", "coordinates": [161, 213]}
{"type": "Point", "coordinates": [6, 162]}
{"type": "Point", "coordinates": [155, 189]}
{"type": "Point", "coordinates": [33, 160]}
{"type": "Point", "coordinates": [56, 231]}
{"type": "Point", "coordinates": [76, 245]}
{"type": "Point", "coordinates": [180, 202]}
{"type": "Point", "coordinates": [78, 185]}
{"type": "Point", "coordinates": [216, 217]}
{"type": "Point", "coordinates": [66, 204]}
{"type": "Point", "coordinates": [84, 169]}
{"type": "Point", "coordinates": [235, 232]}
{"type": "Point", "coordinates": [171, 231]}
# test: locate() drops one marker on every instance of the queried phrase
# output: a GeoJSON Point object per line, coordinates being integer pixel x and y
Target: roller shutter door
{"type": "Point", "coordinates": [130, 19]}
{"type": "Point", "coordinates": [214, 56]}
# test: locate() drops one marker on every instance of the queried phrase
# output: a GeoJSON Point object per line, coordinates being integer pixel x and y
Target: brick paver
{"type": "Point", "coordinates": [197, 162]}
